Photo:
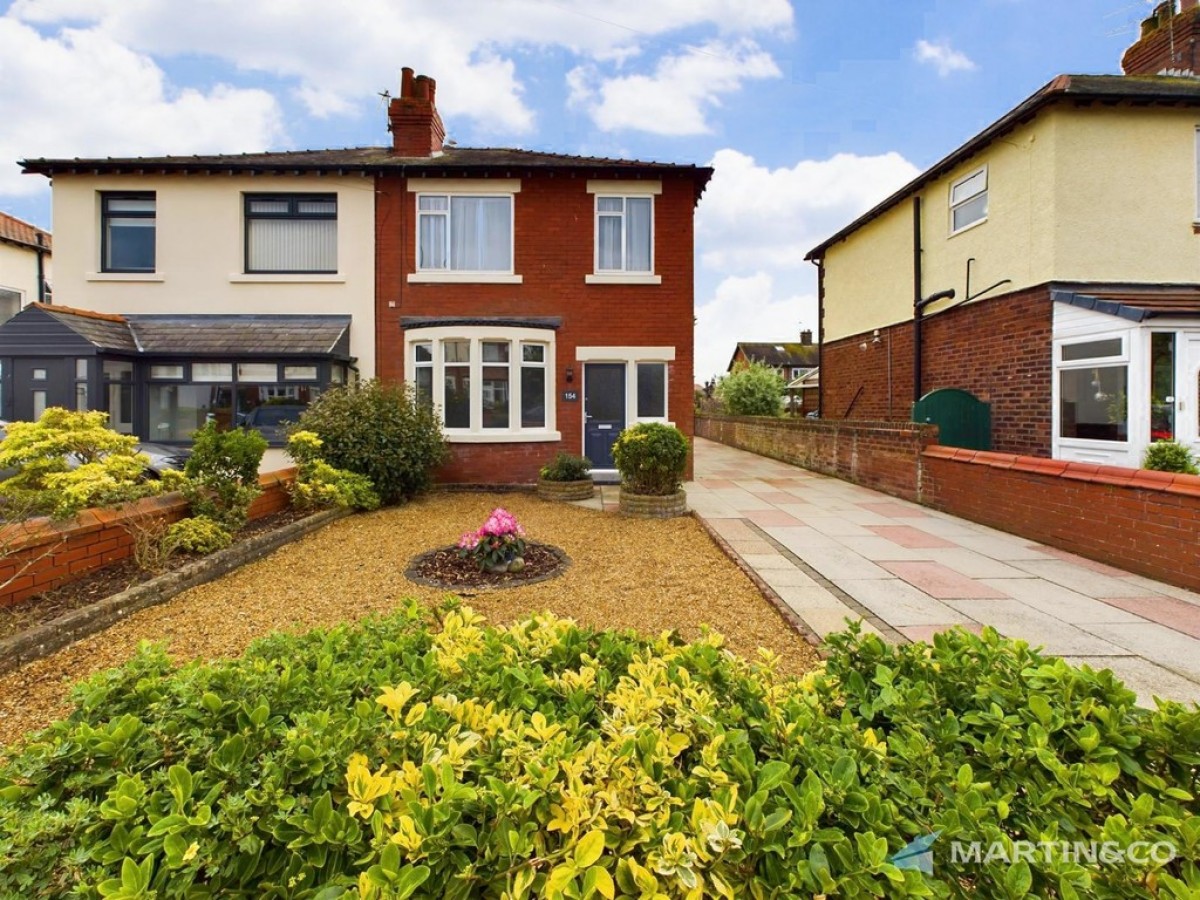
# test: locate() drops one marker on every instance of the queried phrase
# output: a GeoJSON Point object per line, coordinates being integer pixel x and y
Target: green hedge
{"type": "Point", "coordinates": [546, 760]}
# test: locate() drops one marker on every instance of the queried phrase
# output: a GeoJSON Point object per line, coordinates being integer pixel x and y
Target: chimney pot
{"type": "Point", "coordinates": [406, 82]}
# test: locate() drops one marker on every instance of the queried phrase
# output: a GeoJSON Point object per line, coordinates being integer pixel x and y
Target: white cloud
{"type": "Point", "coordinates": [755, 218]}
{"type": "Point", "coordinates": [747, 309]}
{"type": "Point", "coordinates": [676, 97]}
{"type": "Point", "coordinates": [339, 55]}
{"type": "Point", "coordinates": [83, 94]}
{"type": "Point", "coordinates": [942, 57]}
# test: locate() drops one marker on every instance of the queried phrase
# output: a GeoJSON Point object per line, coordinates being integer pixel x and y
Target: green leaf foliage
{"type": "Point", "coordinates": [566, 467]}
{"type": "Point", "coordinates": [407, 757]}
{"type": "Point", "coordinates": [199, 535]}
{"type": "Point", "coordinates": [381, 431]}
{"type": "Point", "coordinates": [651, 458]}
{"type": "Point", "coordinates": [754, 389]}
{"type": "Point", "coordinates": [69, 461]}
{"type": "Point", "coordinates": [222, 474]}
{"type": "Point", "coordinates": [1170, 456]}
{"type": "Point", "coordinates": [319, 484]}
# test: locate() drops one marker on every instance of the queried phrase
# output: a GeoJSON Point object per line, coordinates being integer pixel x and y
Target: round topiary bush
{"type": "Point", "coordinates": [400, 758]}
{"type": "Point", "coordinates": [381, 431]}
{"type": "Point", "coordinates": [651, 458]}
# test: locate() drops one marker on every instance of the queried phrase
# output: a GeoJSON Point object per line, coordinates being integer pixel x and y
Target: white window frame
{"type": "Point", "coordinates": [463, 187]}
{"type": "Point", "coordinates": [624, 190]}
{"type": "Point", "coordinates": [1132, 404]}
{"type": "Point", "coordinates": [985, 192]}
{"type": "Point", "coordinates": [666, 399]}
{"type": "Point", "coordinates": [478, 335]}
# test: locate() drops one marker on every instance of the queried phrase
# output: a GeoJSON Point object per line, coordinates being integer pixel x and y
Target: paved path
{"type": "Point", "coordinates": [833, 550]}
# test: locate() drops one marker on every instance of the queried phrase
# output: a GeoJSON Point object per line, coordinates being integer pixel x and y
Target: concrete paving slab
{"type": "Point", "coordinates": [835, 526]}
{"type": "Point", "coordinates": [896, 509]}
{"type": "Point", "coordinates": [790, 577]}
{"type": "Point", "coordinates": [800, 537]}
{"type": "Point", "coordinates": [753, 545]}
{"type": "Point", "coordinates": [825, 622]}
{"type": "Point", "coordinates": [1083, 561]}
{"type": "Point", "coordinates": [1162, 645]}
{"type": "Point", "coordinates": [1169, 589]}
{"type": "Point", "coordinates": [735, 530]}
{"type": "Point", "coordinates": [839, 562]}
{"type": "Point", "coordinates": [908, 536]}
{"type": "Point", "coordinates": [926, 632]}
{"type": "Point", "coordinates": [761, 561]}
{"type": "Point", "coordinates": [1015, 619]}
{"type": "Point", "coordinates": [1177, 615]}
{"type": "Point", "coordinates": [773, 517]}
{"type": "Point", "coordinates": [811, 596]}
{"type": "Point", "coordinates": [1144, 678]}
{"type": "Point", "coordinates": [973, 564]}
{"type": "Point", "coordinates": [878, 549]}
{"type": "Point", "coordinates": [1062, 603]}
{"type": "Point", "coordinates": [940, 581]}
{"type": "Point", "coordinates": [1077, 578]}
{"type": "Point", "coordinates": [899, 603]}
{"type": "Point", "coordinates": [1000, 546]}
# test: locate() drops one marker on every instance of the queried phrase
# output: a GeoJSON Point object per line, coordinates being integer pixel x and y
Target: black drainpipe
{"type": "Point", "coordinates": [41, 268]}
{"type": "Point", "coordinates": [820, 264]}
{"type": "Point", "coordinates": [916, 299]}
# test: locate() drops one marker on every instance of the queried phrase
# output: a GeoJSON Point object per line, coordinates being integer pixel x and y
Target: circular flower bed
{"type": "Point", "coordinates": [446, 567]}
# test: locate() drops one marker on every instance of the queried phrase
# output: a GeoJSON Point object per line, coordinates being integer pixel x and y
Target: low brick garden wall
{"type": "Point", "coordinates": [50, 554]}
{"type": "Point", "coordinates": [1134, 519]}
{"type": "Point", "coordinates": [885, 456]}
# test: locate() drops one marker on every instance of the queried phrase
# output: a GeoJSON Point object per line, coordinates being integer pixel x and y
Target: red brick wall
{"type": "Point", "coordinates": [881, 455]}
{"type": "Point", "coordinates": [1152, 54]}
{"type": "Point", "coordinates": [553, 251]}
{"type": "Point", "coordinates": [1141, 521]}
{"type": "Point", "coordinates": [48, 555]}
{"type": "Point", "coordinates": [999, 349]}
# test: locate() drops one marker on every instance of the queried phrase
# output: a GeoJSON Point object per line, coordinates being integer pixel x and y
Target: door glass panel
{"type": "Point", "coordinates": [1094, 403]}
{"type": "Point", "coordinates": [1162, 387]}
{"type": "Point", "coordinates": [606, 393]}
{"type": "Point", "coordinates": [118, 384]}
{"type": "Point", "coordinates": [39, 404]}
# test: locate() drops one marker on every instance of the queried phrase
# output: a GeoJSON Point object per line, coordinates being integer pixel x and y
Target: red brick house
{"type": "Point", "coordinates": [543, 302]}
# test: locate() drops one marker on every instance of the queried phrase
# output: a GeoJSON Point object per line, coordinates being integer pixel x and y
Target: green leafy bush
{"type": "Point", "coordinates": [320, 484]}
{"type": "Point", "coordinates": [651, 458]}
{"type": "Point", "coordinates": [547, 760]}
{"type": "Point", "coordinates": [566, 467]}
{"type": "Point", "coordinates": [1170, 456]}
{"type": "Point", "coordinates": [752, 390]}
{"type": "Point", "coordinates": [199, 534]}
{"type": "Point", "coordinates": [108, 470]}
{"type": "Point", "coordinates": [222, 474]}
{"type": "Point", "coordinates": [381, 431]}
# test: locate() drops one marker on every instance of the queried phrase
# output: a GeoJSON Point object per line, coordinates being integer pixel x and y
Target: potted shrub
{"type": "Point", "coordinates": [652, 458]}
{"type": "Point", "coordinates": [566, 477]}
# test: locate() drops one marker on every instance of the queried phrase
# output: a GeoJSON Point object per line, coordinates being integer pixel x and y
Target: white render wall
{"type": "Point", "coordinates": [200, 247]}
{"type": "Point", "coordinates": [18, 271]}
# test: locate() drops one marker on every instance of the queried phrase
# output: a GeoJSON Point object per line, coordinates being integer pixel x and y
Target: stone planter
{"type": "Point", "coordinates": [647, 506]}
{"type": "Point", "coordinates": [566, 490]}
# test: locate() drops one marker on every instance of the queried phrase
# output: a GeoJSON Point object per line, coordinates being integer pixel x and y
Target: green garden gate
{"type": "Point", "coordinates": [962, 419]}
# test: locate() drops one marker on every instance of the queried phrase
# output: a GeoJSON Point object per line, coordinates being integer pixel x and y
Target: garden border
{"type": "Point", "coordinates": [564, 562]}
{"type": "Point", "coordinates": [44, 639]}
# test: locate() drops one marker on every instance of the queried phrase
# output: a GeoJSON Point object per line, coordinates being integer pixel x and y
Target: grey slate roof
{"type": "Point", "coordinates": [786, 355]}
{"type": "Point", "coordinates": [106, 332]}
{"type": "Point", "coordinates": [1135, 304]}
{"type": "Point", "coordinates": [1082, 90]}
{"type": "Point", "coordinates": [495, 161]}
{"type": "Point", "coordinates": [192, 335]}
{"type": "Point", "coordinates": [222, 335]}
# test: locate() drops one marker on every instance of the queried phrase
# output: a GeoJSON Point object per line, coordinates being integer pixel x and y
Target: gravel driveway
{"type": "Point", "coordinates": [626, 573]}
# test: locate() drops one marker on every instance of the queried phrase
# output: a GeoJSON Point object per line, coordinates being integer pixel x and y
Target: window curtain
{"type": "Point", "coordinates": [637, 234]}
{"type": "Point", "coordinates": [432, 245]}
{"type": "Point", "coordinates": [481, 234]}
{"type": "Point", "coordinates": [610, 243]}
{"type": "Point", "coordinates": [291, 245]}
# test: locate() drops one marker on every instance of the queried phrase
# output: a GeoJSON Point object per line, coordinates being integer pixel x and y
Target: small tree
{"type": "Point", "coordinates": [222, 474]}
{"type": "Point", "coordinates": [751, 390]}
{"type": "Point", "coordinates": [382, 431]}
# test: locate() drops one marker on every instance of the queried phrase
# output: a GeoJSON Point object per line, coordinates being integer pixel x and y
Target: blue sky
{"type": "Point", "coordinates": [810, 112]}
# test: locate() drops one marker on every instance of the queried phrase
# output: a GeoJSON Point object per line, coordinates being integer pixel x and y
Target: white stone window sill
{"type": "Point", "coordinates": [125, 276]}
{"type": "Point", "coordinates": [462, 278]}
{"type": "Point", "coordinates": [621, 278]}
{"type": "Point", "coordinates": [286, 278]}
{"type": "Point", "coordinates": [502, 437]}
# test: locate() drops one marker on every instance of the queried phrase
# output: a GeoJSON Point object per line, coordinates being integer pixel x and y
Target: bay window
{"type": "Point", "coordinates": [491, 384]}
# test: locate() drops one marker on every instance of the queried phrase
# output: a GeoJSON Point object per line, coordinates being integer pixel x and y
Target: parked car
{"type": "Point", "coordinates": [272, 419]}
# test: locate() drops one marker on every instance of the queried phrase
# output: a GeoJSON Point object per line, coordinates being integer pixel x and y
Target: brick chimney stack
{"type": "Point", "coordinates": [806, 337]}
{"type": "Point", "coordinates": [1168, 42]}
{"type": "Point", "coordinates": [413, 118]}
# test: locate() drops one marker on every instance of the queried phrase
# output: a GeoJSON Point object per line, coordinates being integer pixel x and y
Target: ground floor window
{"type": "Point", "coordinates": [1093, 389]}
{"type": "Point", "coordinates": [489, 383]}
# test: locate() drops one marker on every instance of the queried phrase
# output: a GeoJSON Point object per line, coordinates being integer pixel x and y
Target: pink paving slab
{"type": "Point", "coordinates": [907, 536]}
{"type": "Point", "coordinates": [1179, 615]}
{"type": "Point", "coordinates": [1081, 561]}
{"type": "Point", "coordinates": [941, 582]}
{"type": "Point", "coordinates": [893, 510]}
{"type": "Point", "coordinates": [772, 518]}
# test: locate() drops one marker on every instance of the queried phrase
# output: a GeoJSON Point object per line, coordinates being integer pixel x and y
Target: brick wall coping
{"type": "Point", "coordinates": [44, 530]}
{"type": "Point", "coordinates": [1144, 479]}
{"type": "Point", "coordinates": [804, 424]}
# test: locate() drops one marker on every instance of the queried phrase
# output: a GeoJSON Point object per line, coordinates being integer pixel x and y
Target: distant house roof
{"type": "Point", "coordinates": [1082, 90]}
{"type": "Point", "coordinates": [1134, 303]}
{"type": "Point", "coordinates": [374, 160]}
{"type": "Point", "coordinates": [781, 355]}
{"type": "Point", "coordinates": [44, 325]}
{"type": "Point", "coordinates": [810, 379]}
{"type": "Point", "coordinates": [16, 231]}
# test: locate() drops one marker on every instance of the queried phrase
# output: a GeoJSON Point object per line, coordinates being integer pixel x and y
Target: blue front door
{"type": "Point", "coordinates": [603, 411]}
